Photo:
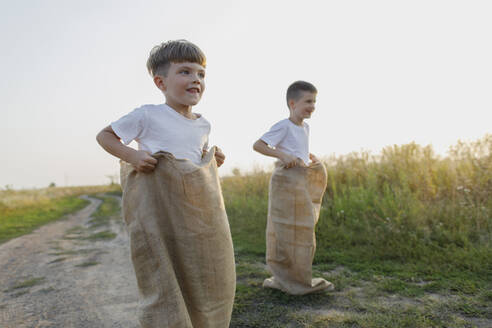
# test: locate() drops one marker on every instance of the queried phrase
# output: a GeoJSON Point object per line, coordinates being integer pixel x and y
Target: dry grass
{"type": "Point", "coordinates": [406, 225]}
{"type": "Point", "coordinates": [12, 199]}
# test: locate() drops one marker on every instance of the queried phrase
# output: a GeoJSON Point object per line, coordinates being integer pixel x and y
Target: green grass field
{"type": "Point", "coordinates": [405, 236]}
{"type": "Point", "coordinates": [22, 211]}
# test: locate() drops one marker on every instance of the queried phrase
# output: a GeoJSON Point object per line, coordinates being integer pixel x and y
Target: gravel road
{"type": "Point", "coordinates": [56, 277]}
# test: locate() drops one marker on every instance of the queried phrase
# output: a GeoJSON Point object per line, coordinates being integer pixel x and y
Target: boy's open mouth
{"type": "Point", "coordinates": [193, 90]}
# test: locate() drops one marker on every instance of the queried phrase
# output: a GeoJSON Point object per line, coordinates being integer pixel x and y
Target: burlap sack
{"type": "Point", "coordinates": [181, 244]}
{"type": "Point", "coordinates": [293, 210]}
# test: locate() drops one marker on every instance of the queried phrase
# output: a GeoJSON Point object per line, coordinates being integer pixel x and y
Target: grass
{"type": "Point", "coordinates": [28, 283]}
{"type": "Point", "coordinates": [23, 287]}
{"type": "Point", "coordinates": [101, 235]}
{"type": "Point", "coordinates": [14, 223]}
{"type": "Point", "coordinates": [405, 236]}
{"type": "Point", "coordinates": [57, 260]}
{"type": "Point", "coordinates": [108, 210]}
{"type": "Point", "coordinates": [258, 307]}
{"type": "Point", "coordinates": [83, 251]}
{"type": "Point", "coordinates": [25, 284]}
{"type": "Point", "coordinates": [22, 211]}
{"type": "Point", "coordinates": [87, 264]}
{"type": "Point", "coordinates": [14, 199]}
{"type": "Point", "coordinates": [94, 230]}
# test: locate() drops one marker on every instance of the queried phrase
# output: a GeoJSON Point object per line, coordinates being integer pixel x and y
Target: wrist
{"type": "Point", "coordinates": [279, 154]}
{"type": "Point", "coordinates": [129, 155]}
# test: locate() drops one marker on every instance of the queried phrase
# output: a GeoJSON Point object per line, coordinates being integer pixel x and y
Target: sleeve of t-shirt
{"type": "Point", "coordinates": [276, 133]}
{"type": "Point", "coordinates": [130, 126]}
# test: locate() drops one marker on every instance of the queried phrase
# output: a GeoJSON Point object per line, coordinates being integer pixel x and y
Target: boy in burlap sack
{"type": "Point", "coordinates": [296, 190]}
{"type": "Point", "coordinates": [180, 240]}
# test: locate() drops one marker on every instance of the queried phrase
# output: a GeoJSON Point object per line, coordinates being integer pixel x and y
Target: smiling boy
{"type": "Point", "coordinates": [180, 240]}
{"type": "Point", "coordinates": [296, 190]}
{"type": "Point", "coordinates": [172, 126]}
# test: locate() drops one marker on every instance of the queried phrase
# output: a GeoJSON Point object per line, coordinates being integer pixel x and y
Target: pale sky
{"type": "Point", "coordinates": [387, 72]}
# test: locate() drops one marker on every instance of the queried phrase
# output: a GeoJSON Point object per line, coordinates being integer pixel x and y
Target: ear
{"type": "Point", "coordinates": [291, 104]}
{"type": "Point", "coordinates": [160, 82]}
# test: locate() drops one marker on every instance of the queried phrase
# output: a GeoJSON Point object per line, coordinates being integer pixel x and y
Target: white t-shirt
{"type": "Point", "coordinates": [160, 128]}
{"type": "Point", "coordinates": [289, 138]}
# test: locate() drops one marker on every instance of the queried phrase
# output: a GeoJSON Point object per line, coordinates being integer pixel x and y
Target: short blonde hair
{"type": "Point", "coordinates": [174, 51]}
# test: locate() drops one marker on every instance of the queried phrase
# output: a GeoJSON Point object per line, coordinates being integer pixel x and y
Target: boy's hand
{"type": "Point", "coordinates": [143, 162]}
{"type": "Point", "coordinates": [288, 160]}
{"type": "Point", "coordinates": [313, 158]}
{"type": "Point", "coordinates": [219, 157]}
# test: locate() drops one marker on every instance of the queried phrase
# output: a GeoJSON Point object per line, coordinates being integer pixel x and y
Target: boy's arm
{"type": "Point", "coordinates": [141, 160]}
{"type": "Point", "coordinates": [288, 160]}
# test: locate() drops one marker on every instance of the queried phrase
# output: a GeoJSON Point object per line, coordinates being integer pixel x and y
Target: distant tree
{"type": "Point", "coordinates": [52, 185]}
{"type": "Point", "coordinates": [113, 178]}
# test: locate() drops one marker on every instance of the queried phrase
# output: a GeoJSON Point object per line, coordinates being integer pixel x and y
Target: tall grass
{"type": "Point", "coordinates": [11, 199]}
{"type": "Point", "coordinates": [246, 199]}
{"type": "Point", "coordinates": [405, 205]}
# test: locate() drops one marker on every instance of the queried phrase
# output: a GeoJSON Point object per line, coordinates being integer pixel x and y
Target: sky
{"type": "Point", "coordinates": [387, 72]}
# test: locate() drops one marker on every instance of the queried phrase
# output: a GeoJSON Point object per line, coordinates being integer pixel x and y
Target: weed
{"type": "Point", "coordinates": [60, 259]}
{"type": "Point", "coordinates": [102, 235]}
{"type": "Point", "coordinates": [87, 264]}
{"type": "Point", "coordinates": [27, 283]}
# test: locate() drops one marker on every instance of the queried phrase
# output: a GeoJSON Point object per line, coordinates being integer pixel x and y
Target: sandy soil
{"type": "Point", "coordinates": [71, 282]}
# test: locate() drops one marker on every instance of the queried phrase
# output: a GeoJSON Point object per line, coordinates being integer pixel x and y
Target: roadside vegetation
{"type": "Point", "coordinates": [22, 211]}
{"type": "Point", "coordinates": [405, 236]}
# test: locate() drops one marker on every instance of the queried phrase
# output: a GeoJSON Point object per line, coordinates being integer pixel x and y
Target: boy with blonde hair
{"type": "Point", "coordinates": [296, 190]}
{"type": "Point", "coordinates": [180, 239]}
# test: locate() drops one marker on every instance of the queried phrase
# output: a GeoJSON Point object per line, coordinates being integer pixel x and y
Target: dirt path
{"type": "Point", "coordinates": [54, 278]}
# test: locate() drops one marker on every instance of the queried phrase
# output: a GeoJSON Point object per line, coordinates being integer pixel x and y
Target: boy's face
{"type": "Point", "coordinates": [304, 106]}
{"type": "Point", "coordinates": [183, 85]}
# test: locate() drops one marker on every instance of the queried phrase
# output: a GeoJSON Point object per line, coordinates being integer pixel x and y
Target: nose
{"type": "Point", "coordinates": [196, 78]}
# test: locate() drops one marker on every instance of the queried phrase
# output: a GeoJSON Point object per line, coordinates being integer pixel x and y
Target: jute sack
{"type": "Point", "coordinates": [180, 242]}
{"type": "Point", "coordinates": [294, 203]}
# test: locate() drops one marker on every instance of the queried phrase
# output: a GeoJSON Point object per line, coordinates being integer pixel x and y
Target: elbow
{"type": "Point", "coordinates": [256, 145]}
{"type": "Point", "coordinates": [105, 135]}
{"type": "Point", "coordinates": [99, 137]}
